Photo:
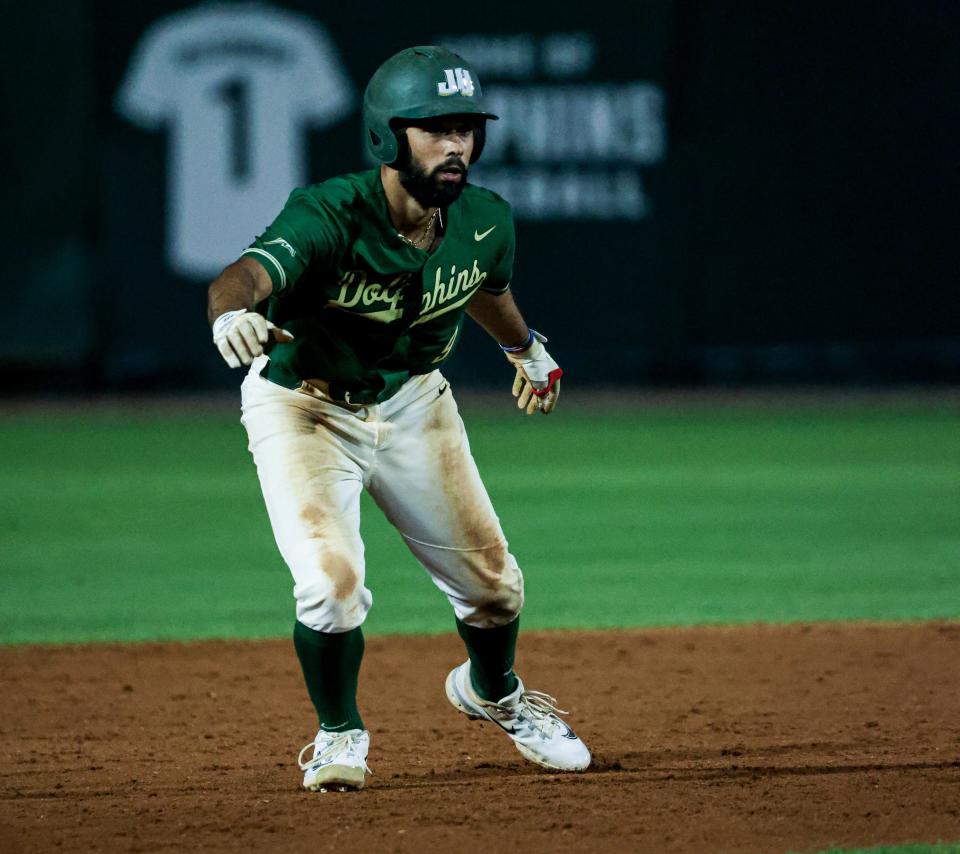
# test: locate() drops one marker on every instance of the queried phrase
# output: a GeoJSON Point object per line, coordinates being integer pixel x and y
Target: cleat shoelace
{"type": "Point", "coordinates": [343, 742]}
{"type": "Point", "coordinates": [536, 708]}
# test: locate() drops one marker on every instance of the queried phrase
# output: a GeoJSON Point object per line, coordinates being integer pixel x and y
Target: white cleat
{"type": "Point", "coordinates": [530, 718]}
{"type": "Point", "coordinates": [339, 762]}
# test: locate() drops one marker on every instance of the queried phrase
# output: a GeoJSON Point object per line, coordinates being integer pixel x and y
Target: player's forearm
{"type": "Point", "coordinates": [499, 316]}
{"type": "Point", "coordinates": [240, 286]}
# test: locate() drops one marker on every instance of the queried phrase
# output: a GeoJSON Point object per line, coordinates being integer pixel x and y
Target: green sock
{"type": "Point", "coordinates": [491, 654]}
{"type": "Point", "coordinates": [331, 666]}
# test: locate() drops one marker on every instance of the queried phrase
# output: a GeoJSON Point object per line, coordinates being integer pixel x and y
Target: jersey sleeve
{"type": "Point", "coordinates": [144, 97]}
{"type": "Point", "coordinates": [320, 88]}
{"type": "Point", "coordinates": [305, 232]}
{"type": "Point", "coordinates": [498, 282]}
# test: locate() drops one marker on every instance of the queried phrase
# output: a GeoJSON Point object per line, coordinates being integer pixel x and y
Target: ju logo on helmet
{"type": "Point", "coordinates": [457, 80]}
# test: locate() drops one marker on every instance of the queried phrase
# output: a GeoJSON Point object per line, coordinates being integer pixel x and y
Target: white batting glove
{"type": "Point", "coordinates": [240, 336]}
{"type": "Point", "coordinates": [537, 384]}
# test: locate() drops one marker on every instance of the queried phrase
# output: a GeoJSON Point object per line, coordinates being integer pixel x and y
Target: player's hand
{"type": "Point", "coordinates": [240, 336]}
{"type": "Point", "coordinates": [537, 384]}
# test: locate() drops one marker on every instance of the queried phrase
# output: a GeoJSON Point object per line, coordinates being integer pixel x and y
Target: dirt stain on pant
{"type": "Point", "coordinates": [333, 563]}
{"type": "Point", "coordinates": [473, 524]}
{"type": "Point", "coordinates": [495, 591]}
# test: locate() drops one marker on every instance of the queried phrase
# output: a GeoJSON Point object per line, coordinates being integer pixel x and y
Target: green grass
{"type": "Point", "coordinates": [122, 527]}
{"type": "Point", "coordinates": [918, 848]}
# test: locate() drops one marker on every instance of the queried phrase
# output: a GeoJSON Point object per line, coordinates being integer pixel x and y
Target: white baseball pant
{"type": "Point", "coordinates": [315, 456]}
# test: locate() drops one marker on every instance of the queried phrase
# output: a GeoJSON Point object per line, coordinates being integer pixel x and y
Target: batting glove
{"type": "Point", "coordinates": [240, 336]}
{"type": "Point", "coordinates": [537, 384]}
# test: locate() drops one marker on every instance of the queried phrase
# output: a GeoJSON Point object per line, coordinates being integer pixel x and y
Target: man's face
{"type": "Point", "coordinates": [440, 149]}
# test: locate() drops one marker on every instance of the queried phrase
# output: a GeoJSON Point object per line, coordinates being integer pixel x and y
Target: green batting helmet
{"type": "Point", "coordinates": [419, 83]}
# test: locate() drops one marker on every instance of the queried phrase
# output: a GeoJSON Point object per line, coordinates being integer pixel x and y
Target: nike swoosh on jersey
{"type": "Point", "coordinates": [478, 236]}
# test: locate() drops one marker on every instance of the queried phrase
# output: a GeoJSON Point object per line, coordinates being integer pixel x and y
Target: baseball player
{"type": "Point", "coordinates": [366, 279]}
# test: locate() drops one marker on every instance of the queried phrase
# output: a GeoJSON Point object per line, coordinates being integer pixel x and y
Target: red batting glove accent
{"type": "Point", "coordinates": [552, 378]}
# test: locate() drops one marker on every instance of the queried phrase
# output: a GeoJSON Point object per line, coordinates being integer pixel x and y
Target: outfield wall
{"type": "Point", "coordinates": [704, 192]}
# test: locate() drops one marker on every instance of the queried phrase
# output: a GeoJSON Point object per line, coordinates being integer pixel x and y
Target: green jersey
{"type": "Point", "coordinates": [368, 310]}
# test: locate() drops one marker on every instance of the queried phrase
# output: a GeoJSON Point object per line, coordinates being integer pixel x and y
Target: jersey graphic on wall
{"type": "Point", "coordinates": [235, 85]}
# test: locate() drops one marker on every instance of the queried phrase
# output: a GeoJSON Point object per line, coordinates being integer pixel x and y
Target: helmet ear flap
{"type": "Point", "coordinates": [380, 139]}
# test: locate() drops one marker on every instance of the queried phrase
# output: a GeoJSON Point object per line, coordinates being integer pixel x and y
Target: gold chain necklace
{"type": "Point", "coordinates": [418, 244]}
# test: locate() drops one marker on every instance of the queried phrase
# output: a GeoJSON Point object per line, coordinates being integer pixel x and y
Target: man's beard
{"type": "Point", "coordinates": [428, 188]}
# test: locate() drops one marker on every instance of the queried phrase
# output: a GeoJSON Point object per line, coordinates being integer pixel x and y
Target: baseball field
{"type": "Point", "coordinates": [750, 605]}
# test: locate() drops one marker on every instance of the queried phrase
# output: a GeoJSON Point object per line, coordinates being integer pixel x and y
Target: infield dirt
{"type": "Point", "coordinates": [750, 739]}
